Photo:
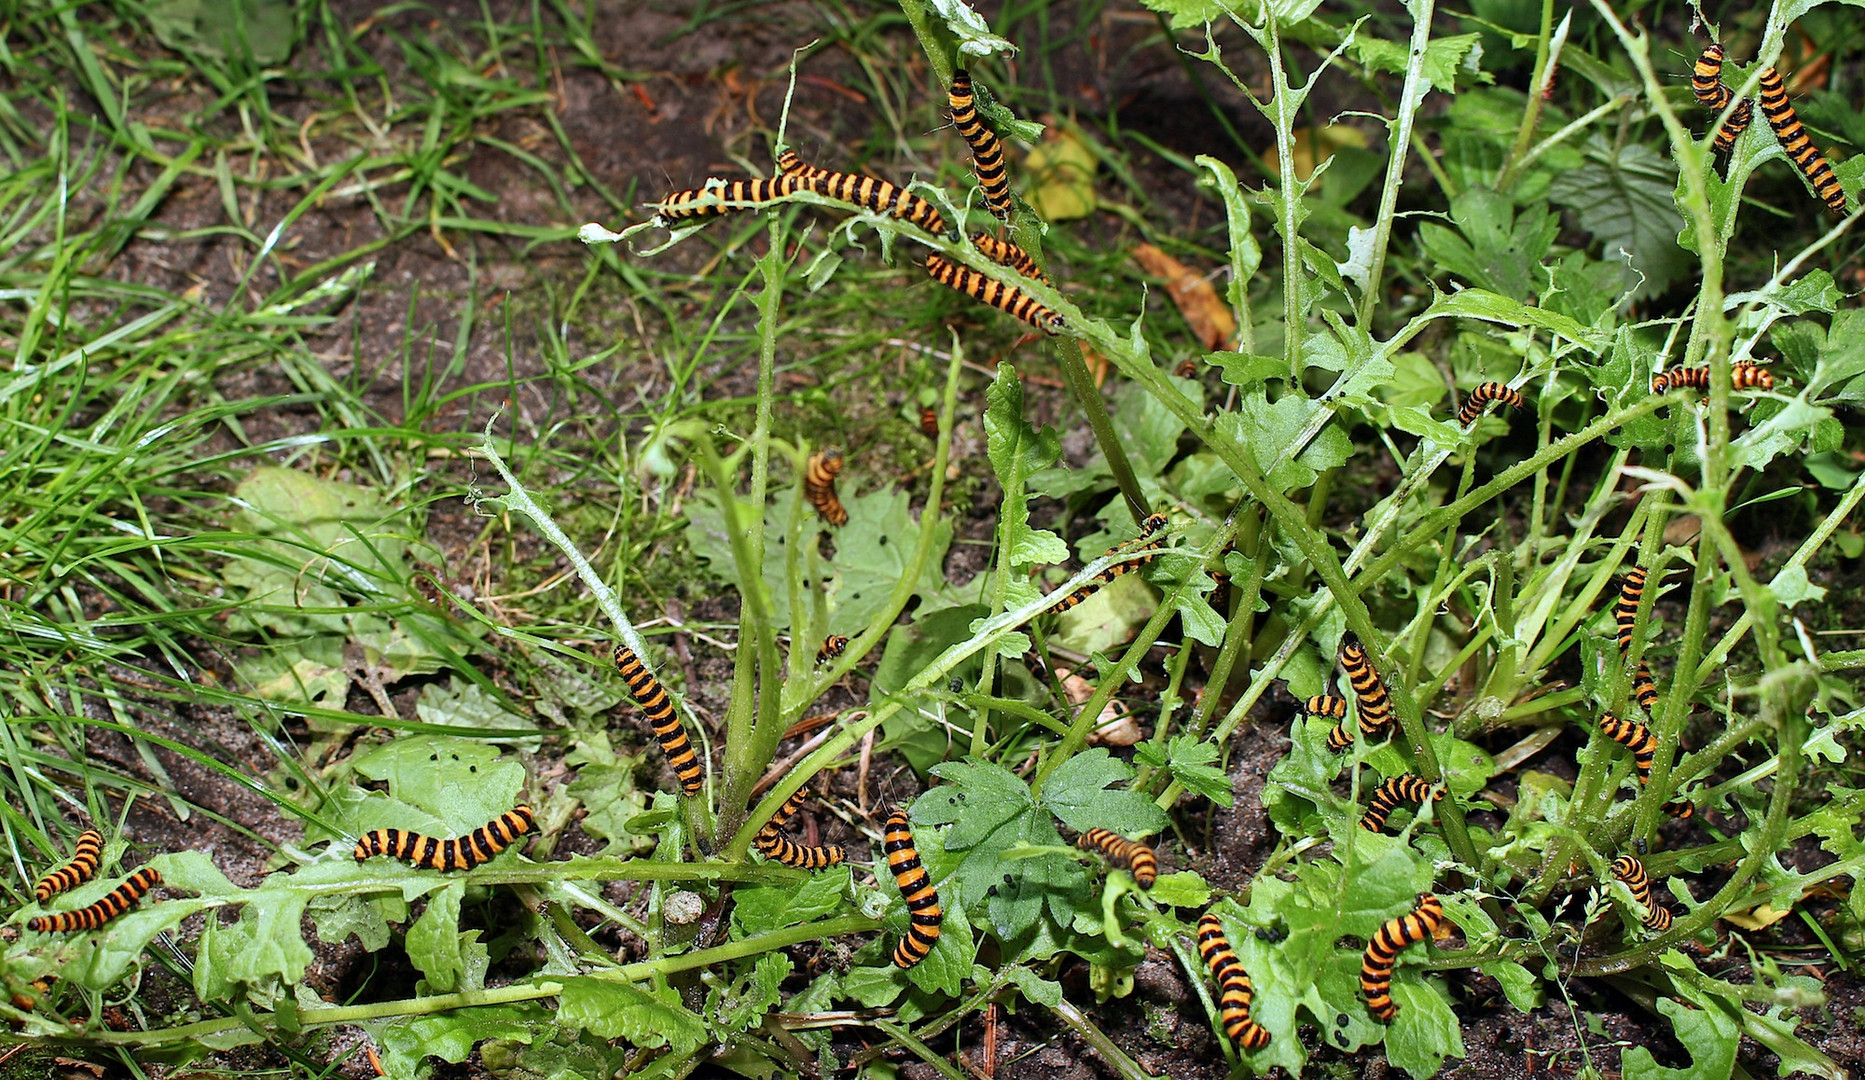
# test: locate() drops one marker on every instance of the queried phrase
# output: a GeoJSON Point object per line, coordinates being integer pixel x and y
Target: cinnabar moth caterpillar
{"type": "Point", "coordinates": [1679, 809]}
{"type": "Point", "coordinates": [929, 421]}
{"type": "Point", "coordinates": [1233, 985]}
{"type": "Point", "coordinates": [1368, 690]}
{"type": "Point", "coordinates": [1148, 542]}
{"type": "Point", "coordinates": [987, 152]}
{"type": "Point", "coordinates": [1005, 253]}
{"type": "Point", "coordinates": [1131, 854]}
{"type": "Point", "coordinates": [1388, 796]}
{"type": "Point", "coordinates": [915, 884]}
{"type": "Point", "coordinates": [1382, 953]}
{"type": "Point", "coordinates": [1187, 369]}
{"type": "Point", "coordinates": [115, 903]}
{"type": "Point", "coordinates": [819, 486]}
{"type": "Point", "coordinates": [85, 855]}
{"type": "Point", "coordinates": [1707, 84]}
{"type": "Point", "coordinates": [1797, 144]}
{"type": "Point", "coordinates": [869, 193]}
{"type": "Point", "coordinates": [1629, 869]}
{"type": "Point", "coordinates": [652, 697]}
{"type": "Point", "coordinates": [1635, 737]}
{"type": "Point", "coordinates": [832, 646]}
{"type": "Point", "coordinates": [1332, 708]}
{"type": "Point", "coordinates": [774, 827]}
{"type": "Point", "coordinates": [1625, 609]}
{"type": "Point", "coordinates": [1645, 689]}
{"type": "Point", "coordinates": [457, 853]}
{"type": "Point", "coordinates": [1006, 298]}
{"type": "Point", "coordinates": [1746, 375]}
{"type": "Point", "coordinates": [789, 164]}
{"type": "Point", "coordinates": [734, 195]}
{"type": "Point", "coordinates": [790, 853]}
{"type": "Point", "coordinates": [1481, 398]}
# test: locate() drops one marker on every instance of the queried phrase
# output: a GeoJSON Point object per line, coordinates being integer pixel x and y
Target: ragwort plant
{"type": "Point", "coordinates": [1486, 614]}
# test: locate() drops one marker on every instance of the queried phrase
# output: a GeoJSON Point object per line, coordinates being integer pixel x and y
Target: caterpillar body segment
{"type": "Point", "coordinates": [1635, 737]}
{"type": "Point", "coordinates": [652, 697]}
{"type": "Point", "coordinates": [1396, 792]}
{"type": "Point", "coordinates": [1707, 86]}
{"type": "Point", "coordinates": [915, 885]}
{"type": "Point", "coordinates": [1625, 609]}
{"type": "Point", "coordinates": [1485, 395]}
{"type": "Point", "coordinates": [987, 151]}
{"type": "Point", "coordinates": [1136, 857]}
{"type": "Point", "coordinates": [1382, 953]}
{"type": "Point", "coordinates": [111, 905]}
{"type": "Point", "coordinates": [1628, 869]}
{"type": "Point", "coordinates": [1744, 375]}
{"type": "Point", "coordinates": [709, 201]}
{"type": "Point", "coordinates": [457, 853]}
{"type": "Point", "coordinates": [832, 646]}
{"type": "Point", "coordinates": [819, 486]}
{"type": "Point", "coordinates": [1645, 689]}
{"type": "Point", "coordinates": [870, 193]}
{"type": "Point", "coordinates": [1368, 689]}
{"type": "Point", "coordinates": [1005, 253]}
{"type": "Point", "coordinates": [1797, 144]}
{"type": "Point", "coordinates": [1235, 991]}
{"type": "Point", "coordinates": [784, 850]}
{"type": "Point", "coordinates": [1148, 545]}
{"type": "Point", "coordinates": [1006, 298]}
{"type": "Point", "coordinates": [773, 828]}
{"type": "Point", "coordinates": [82, 867]}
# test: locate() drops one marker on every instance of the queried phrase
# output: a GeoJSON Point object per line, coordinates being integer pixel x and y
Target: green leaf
{"type": "Point", "coordinates": [972, 31]}
{"type": "Point", "coordinates": [462, 783]}
{"type": "Point", "coordinates": [1426, 1031]}
{"type": "Point", "coordinates": [1080, 793]}
{"type": "Point", "coordinates": [261, 30]}
{"type": "Point", "coordinates": [450, 960]}
{"type": "Point", "coordinates": [759, 909]}
{"type": "Point", "coordinates": [450, 1036]}
{"type": "Point", "coordinates": [759, 992]}
{"type": "Point", "coordinates": [1017, 450]}
{"type": "Point", "coordinates": [1625, 199]}
{"type": "Point", "coordinates": [990, 810]}
{"type": "Point", "coordinates": [1189, 760]}
{"type": "Point", "coordinates": [613, 1009]}
{"type": "Point", "coordinates": [1704, 1030]}
{"type": "Point", "coordinates": [1032, 986]}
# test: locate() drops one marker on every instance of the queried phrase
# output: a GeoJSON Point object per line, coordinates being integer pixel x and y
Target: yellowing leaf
{"type": "Point", "coordinates": [1759, 917]}
{"type": "Point", "coordinates": [1196, 297]}
{"type": "Point", "coordinates": [1331, 138]}
{"type": "Point", "coordinates": [1062, 177]}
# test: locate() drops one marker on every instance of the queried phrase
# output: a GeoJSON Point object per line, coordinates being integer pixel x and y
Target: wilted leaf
{"type": "Point", "coordinates": [1197, 299]}
{"type": "Point", "coordinates": [1062, 177]}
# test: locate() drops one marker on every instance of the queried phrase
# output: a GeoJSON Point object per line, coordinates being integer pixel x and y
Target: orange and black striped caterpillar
{"type": "Point", "coordinates": [1187, 369]}
{"type": "Point", "coordinates": [652, 697]}
{"type": "Point", "coordinates": [115, 903]}
{"type": "Point", "coordinates": [1797, 144]}
{"type": "Point", "coordinates": [1481, 398]}
{"type": "Point", "coordinates": [1638, 738]}
{"type": "Point", "coordinates": [987, 151]}
{"type": "Point", "coordinates": [731, 195]}
{"type": "Point", "coordinates": [1005, 253]}
{"type": "Point", "coordinates": [1625, 617]}
{"type": "Point", "coordinates": [1390, 794]}
{"type": "Point", "coordinates": [819, 486]}
{"type": "Point", "coordinates": [832, 646]}
{"type": "Point", "coordinates": [457, 853]}
{"type": "Point", "coordinates": [1148, 544]}
{"type": "Point", "coordinates": [1006, 298]}
{"type": "Point", "coordinates": [1706, 83]}
{"type": "Point", "coordinates": [1233, 985]}
{"type": "Point", "coordinates": [1419, 924]}
{"type": "Point", "coordinates": [1745, 375]}
{"type": "Point", "coordinates": [1629, 869]}
{"type": "Point", "coordinates": [82, 867]}
{"type": "Point", "coordinates": [1135, 856]}
{"type": "Point", "coordinates": [1368, 690]}
{"type": "Point", "coordinates": [929, 421]}
{"type": "Point", "coordinates": [1333, 708]}
{"type": "Point", "coordinates": [867, 192]}
{"type": "Point", "coordinates": [771, 842]}
{"type": "Point", "coordinates": [915, 884]}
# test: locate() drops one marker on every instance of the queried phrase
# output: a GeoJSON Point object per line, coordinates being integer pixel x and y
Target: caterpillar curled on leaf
{"type": "Point", "coordinates": [819, 486]}
{"type": "Point", "coordinates": [1136, 857]}
{"type": "Point", "coordinates": [1369, 690]}
{"type": "Point", "coordinates": [1334, 708]}
{"type": "Point", "coordinates": [1147, 545]}
{"type": "Point", "coordinates": [82, 867]}
{"type": "Point", "coordinates": [732, 195]}
{"type": "Point", "coordinates": [1628, 869]}
{"type": "Point", "coordinates": [915, 884]}
{"type": "Point", "coordinates": [1006, 298]}
{"type": "Point", "coordinates": [987, 150]}
{"type": "Point", "coordinates": [870, 193]}
{"type": "Point", "coordinates": [1746, 375]}
{"type": "Point", "coordinates": [1797, 144]}
{"type": "Point", "coordinates": [1485, 395]}
{"type": "Point", "coordinates": [1707, 86]}
{"type": "Point", "coordinates": [1233, 985]}
{"type": "Point", "coordinates": [652, 697]}
{"type": "Point", "coordinates": [832, 646]}
{"type": "Point", "coordinates": [1382, 953]}
{"type": "Point", "coordinates": [1635, 737]}
{"type": "Point", "coordinates": [1005, 253]}
{"type": "Point", "coordinates": [113, 904]}
{"type": "Point", "coordinates": [457, 853]}
{"type": "Point", "coordinates": [1393, 793]}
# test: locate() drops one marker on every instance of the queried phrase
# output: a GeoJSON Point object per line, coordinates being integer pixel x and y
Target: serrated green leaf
{"type": "Point", "coordinates": [449, 959]}
{"type": "Point", "coordinates": [758, 909]}
{"type": "Point", "coordinates": [1080, 792]}
{"type": "Point", "coordinates": [612, 1009]}
{"type": "Point", "coordinates": [1624, 197]}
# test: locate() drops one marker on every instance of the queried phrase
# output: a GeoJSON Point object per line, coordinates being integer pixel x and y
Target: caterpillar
{"type": "Point", "coordinates": [85, 855]}
{"type": "Point", "coordinates": [832, 647]}
{"type": "Point", "coordinates": [1233, 985]}
{"type": "Point", "coordinates": [1187, 369]}
{"type": "Point", "coordinates": [1680, 809]}
{"type": "Point", "coordinates": [1368, 691]}
{"type": "Point", "coordinates": [1005, 253]}
{"type": "Point", "coordinates": [1332, 708]}
{"type": "Point", "coordinates": [1635, 737]}
{"type": "Point", "coordinates": [929, 421]}
{"type": "Point", "coordinates": [925, 914]}
{"type": "Point", "coordinates": [115, 903]}
{"type": "Point", "coordinates": [652, 697]}
{"type": "Point", "coordinates": [1628, 869]}
{"type": "Point", "coordinates": [1625, 609]}
{"type": "Point", "coordinates": [1797, 144]}
{"type": "Point", "coordinates": [1645, 688]}
{"type": "Point", "coordinates": [1706, 83]}
{"type": "Point", "coordinates": [784, 850]}
{"type": "Point", "coordinates": [703, 202]}
{"type": "Point", "coordinates": [1391, 793]}
{"type": "Point", "coordinates": [987, 151]}
{"type": "Point", "coordinates": [1382, 952]}
{"type": "Point", "coordinates": [774, 827]}
{"type": "Point", "coordinates": [1006, 298]}
{"type": "Point", "coordinates": [867, 192]}
{"type": "Point", "coordinates": [1147, 543]}
{"type": "Point", "coordinates": [819, 486]}
{"type": "Point", "coordinates": [1481, 398]}
{"type": "Point", "coordinates": [1131, 854]}
{"type": "Point", "coordinates": [790, 165]}
{"type": "Point", "coordinates": [1744, 375]}
{"type": "Point", "coordinates": [458, 853]}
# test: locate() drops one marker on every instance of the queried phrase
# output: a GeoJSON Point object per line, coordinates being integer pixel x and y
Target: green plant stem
{"type": "Point", "coordinates": [1531, 113]}
{"type": "Point", "coordinates": [937, 51]}
{"type": "Point", "coordinates": [1111, 1053]}
{"type": "Point", "coordinates": [1094, 408]}
{"type": "Point", "coordinates": [1398, 142]}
